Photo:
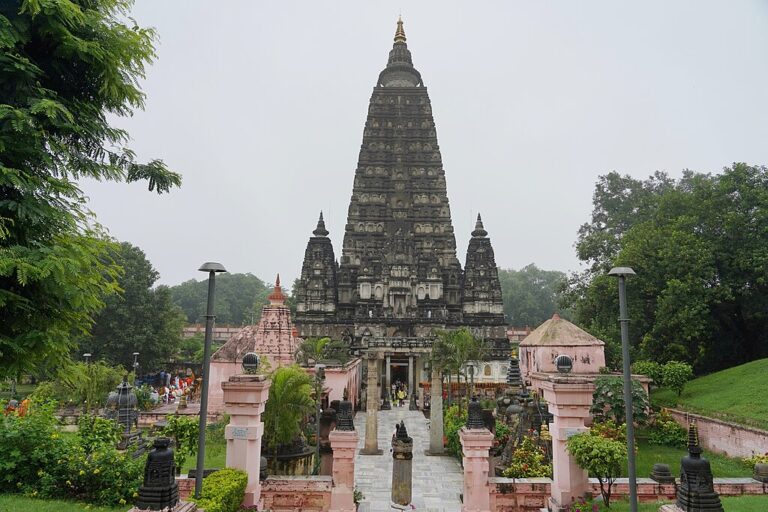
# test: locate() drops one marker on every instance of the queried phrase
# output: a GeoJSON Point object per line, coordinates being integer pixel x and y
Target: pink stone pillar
{"type": "Point", "coordinates": [569, 399]}
{"type": "Point", "coordinates": [475, 445]}
{"type": "Point", "coordinates": [344, 445]}
{"type": "Point", "coordinates": [244, 399]}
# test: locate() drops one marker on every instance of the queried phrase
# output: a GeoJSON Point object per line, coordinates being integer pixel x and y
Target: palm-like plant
{"type": "Point", "coordinates": [290, 400]}
{"type": "Point", "coordinates": [454, 349]}
{"type": "Point", "coordinates": [312, 350]}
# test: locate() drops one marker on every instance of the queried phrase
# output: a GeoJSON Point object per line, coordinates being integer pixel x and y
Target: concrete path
{"type": "Point", "coordinates": [437, 481]}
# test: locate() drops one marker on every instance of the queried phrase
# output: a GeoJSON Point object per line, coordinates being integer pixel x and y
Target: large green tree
{"type": "Point", "coordinates": [65, 68]}
{"type": "Point", "coordinates": [238, 298]}
{"type": "Point", "coordinates": [699, 246]}
{"type": "Point", "coordinates": [531, 295]}
{"type": "Point", "coordinates": [139, 319]}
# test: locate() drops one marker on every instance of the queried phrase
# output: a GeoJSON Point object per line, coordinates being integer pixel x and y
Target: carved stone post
{"type": "Point", "coordinates": [476, 441]}
{"type": "Point", "coordinates": [372, 407]}
{"type": "Point", "coordinates": [344, 443]}
{"type": "Point", "coordinates": [436, 415]}
{"type": "Point", "coordinates": [402, 455]}
{"type": "Point", "coordinates": [244, 400]}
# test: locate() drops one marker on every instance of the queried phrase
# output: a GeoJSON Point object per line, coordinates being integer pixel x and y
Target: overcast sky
{"type": "Point", "coordinates": [261, 107]}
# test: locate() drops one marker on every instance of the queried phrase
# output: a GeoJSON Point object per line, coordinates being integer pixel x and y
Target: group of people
{"type": "Point", "coordinates": [167, 388]}
{"type": "Point", "coordinates": [399, 393]}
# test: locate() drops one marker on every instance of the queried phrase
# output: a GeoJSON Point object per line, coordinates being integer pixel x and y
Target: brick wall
{"type": "Point", "coordinates": [291, 493]}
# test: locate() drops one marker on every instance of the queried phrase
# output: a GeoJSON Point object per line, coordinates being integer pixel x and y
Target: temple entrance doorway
{"type": "Point", "coordinates": [400, 372]}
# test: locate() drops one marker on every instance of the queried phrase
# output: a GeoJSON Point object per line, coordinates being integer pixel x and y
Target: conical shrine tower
{"type": "Point", "coordinates": [398, 279]}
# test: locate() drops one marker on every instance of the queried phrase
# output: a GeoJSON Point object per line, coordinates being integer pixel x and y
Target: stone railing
{"type": "Point", "coordinates": [725, 437]}
{"type": "Point", "coordinates": [530, 494]}
{"type": "Point", "coordinates": [306, 493]}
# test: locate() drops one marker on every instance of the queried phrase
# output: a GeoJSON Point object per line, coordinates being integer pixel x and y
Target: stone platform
{"type": "Point", "coordinates": [437, 480]}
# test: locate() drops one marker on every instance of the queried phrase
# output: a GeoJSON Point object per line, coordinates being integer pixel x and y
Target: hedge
{"type": "Point", "coordinates": [223, 491]}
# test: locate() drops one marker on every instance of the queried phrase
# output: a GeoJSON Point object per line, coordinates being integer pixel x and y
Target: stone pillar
{"type": "Point", "coordinates": [569, 399]}
{"type": "Point", "coordinates": [372, 407]}
{"type": "Point", "coordinates": [388, 373]}
{"type": "Point", "coordinates": [344, 444]}
{"type": "Point", "coordinates": [475, 446]}
{"type": "Point", "coordinates": [411, 387]}
{"type": "Point", "coordinates": [402, 468]}
{"type": "Point", "coordinates": [436, 415]}
{"type": "Point", "coordinates": [244, 400]}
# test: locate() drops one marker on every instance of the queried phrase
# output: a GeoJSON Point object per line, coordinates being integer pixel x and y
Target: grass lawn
{"type": "Point", "coordinates": [650, 454]}
{"type": "Point", "coordinates": [215, 457]}
{"type": "Point", "coordinates": [16, 503]}
{"type": "Point", "coordinates": [734, 504]}
{"type": "Point", "coordinates": [735, 394]}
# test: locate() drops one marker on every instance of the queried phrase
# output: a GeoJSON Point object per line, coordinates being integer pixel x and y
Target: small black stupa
{"type": "Point", "coordinates": [697, 491]}
{"type": "Point", "coordinates": [160, 490]}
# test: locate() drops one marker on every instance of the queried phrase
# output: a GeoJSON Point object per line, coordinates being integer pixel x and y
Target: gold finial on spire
{"type": "Point", "coordinates": [400, 33]}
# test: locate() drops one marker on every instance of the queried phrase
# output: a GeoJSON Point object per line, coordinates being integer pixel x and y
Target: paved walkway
{"type": "Point", "coordinates": [437, 481]}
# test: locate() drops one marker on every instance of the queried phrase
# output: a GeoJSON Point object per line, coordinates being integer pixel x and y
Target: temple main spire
{"type": "Point", "coordinates": [399, 33]}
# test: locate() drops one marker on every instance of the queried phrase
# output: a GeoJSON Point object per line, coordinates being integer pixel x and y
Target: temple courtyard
{"type": "Point", "coordinates": [437, 481]}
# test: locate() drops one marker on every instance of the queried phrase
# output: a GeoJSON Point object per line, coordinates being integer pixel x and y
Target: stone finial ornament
{"type": "Point", "coordinates": [400, 32]}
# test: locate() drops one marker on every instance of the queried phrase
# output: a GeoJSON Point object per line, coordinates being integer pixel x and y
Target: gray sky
{"type": "Point", "coordinates": [261, 106]}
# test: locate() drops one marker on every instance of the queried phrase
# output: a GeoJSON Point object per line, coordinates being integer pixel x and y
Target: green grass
{"type": "Point", "coordinates": [649, 454]}
{"type": "Point", "coordinates": [215, 457]}
{"type": "Point", "coordinates": [736, 394]}
{"type": "Point", "coordinates": [734, 504]}
{"type": "Point", "coordinates": [15, 503]}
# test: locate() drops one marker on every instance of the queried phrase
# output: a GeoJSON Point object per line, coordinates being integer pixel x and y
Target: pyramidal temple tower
{"type": "Point", "coordinates": [398, 279]}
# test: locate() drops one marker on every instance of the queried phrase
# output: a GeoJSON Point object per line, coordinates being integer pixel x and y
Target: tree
{"type": "Point", "coordinates": [290, 400]}
{"type": "Point", "coordinates": [601, 456]}
{"type": "Point", "coordinates": [65, 67]}
{"type": "Point", "coordinates": [87, 383]}
{"type": "Point", "coordinates": [452, 350]}
{"type": "Point", "coordinates": [608, 401]}
{"type": "Point", "coordinates": [531, 295]}
{"type": "Point", "coordinates": [699, 246]}
{"type": "Point", "coordinates": [238, 301]}
{"type": "Point", "coordinates": [140, 319]}
{"type": "Point", "coordinates": [675, 374]}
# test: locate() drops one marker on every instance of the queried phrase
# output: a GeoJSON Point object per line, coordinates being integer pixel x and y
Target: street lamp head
{"type": "Point", "coordinates": [212, 266]}
{"type": "Point", "coordinates": [621, 272]}
{"type": "Point", "coordinates": [320, 371]}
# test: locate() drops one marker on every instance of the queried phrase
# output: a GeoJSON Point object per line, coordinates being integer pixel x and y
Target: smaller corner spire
{"type": "Point", "coordinates": [320, 229]}
{"type": "Point", "coordinates": [479, 229]}
{"type": "Point", "coordinates": [400, 32]}
{"type": "Point", "coordinates": [277, 281]}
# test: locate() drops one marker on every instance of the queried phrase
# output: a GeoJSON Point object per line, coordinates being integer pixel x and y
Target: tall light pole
{"type": "Point", "coordinates": [212, 268]}
{"type": "Point", "coordinates": [135, 367]}
{"type": "Point", "coordinates": [621, 273]}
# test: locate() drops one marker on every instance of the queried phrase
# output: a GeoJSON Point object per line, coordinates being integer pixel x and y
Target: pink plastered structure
{"type": "Point", "coordinates": [273, 338]}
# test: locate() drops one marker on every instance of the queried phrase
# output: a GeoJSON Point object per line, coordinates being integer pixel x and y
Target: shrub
{"type": "Point", "coordinates": [600, 456]}
{"type": "Point", "coordinates": [650, 369]}
{"type": "Point", "coordinates": [290, 400]}
{"type": "Point", "coordinates": [223, 491]}
{"type": "Point", "coordinates": [582, 505]}
{"type": "Point", "coordinates": [529, 460]}
{"type": "Point", "coordinates": [453, 420]}
{"type": "Point", "coordinates": [666, 432]}
{"type": "Point", "coordinates": [755, 459]}
{"type": "Point", "coordinates": [608, 401]}
{"type": "Point", "coordinates": [88, 383]}
{"type": "Point", "coordinates": [676, 374]}
{"type": "Point", "coordinates": [144, 397]}
{"type": "Point", "coordinates": [184, 430]}
{"type": "Point", "coordinates": [95, 432]}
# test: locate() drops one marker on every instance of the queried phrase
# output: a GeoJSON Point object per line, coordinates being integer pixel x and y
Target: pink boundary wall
{"type": "Point", "coordinates": [339, 377]}
{"type": "Point", "coordinates": [724, 437]}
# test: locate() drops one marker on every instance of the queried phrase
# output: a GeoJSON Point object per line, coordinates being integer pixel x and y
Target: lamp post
{"type": "Point", "coordinates": [212, 268]}
{"type": "Point", "coordinates": [135, 366]}
{"type": "Point", "coordinates": [621, 273]}
{"type": "Point", "coordinates": [319, 377]}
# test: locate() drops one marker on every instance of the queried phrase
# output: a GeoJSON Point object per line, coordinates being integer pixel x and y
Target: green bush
{"type": "Point", "coordinates": [676, 374]}
{"type": "Point", "coordinates": [184, 430]}
{"type": "Point", "coordinates": [666, 432]}
{"type": "Point", "coordinates": [223, 491]}
{"type": "Point", "coordinates": [95, 432]}
{"type": "Point", "coordinates": [144, 397]}
{"type": "Point", "coordinates": [608, 401]}
{"type": "Point", "coordinates": [650, 369]}
{"type": "Point", "coordinates": [601, 456]}
{"type": "Point", "coordinates": [453, 420]}
{"type": "Point", "coordinates": [529, 460]}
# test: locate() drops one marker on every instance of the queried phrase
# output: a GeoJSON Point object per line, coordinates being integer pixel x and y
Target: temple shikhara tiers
{"type": "Point", "coordinates": [398, 279]}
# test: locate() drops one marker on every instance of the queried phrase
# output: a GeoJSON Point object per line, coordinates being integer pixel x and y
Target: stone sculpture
{"type": "Point", "coordinates": [402, 455]}
{"type": "Point", "coordinates": [160, 490]}
{"type": "Point", "coordinates": [697, 491]}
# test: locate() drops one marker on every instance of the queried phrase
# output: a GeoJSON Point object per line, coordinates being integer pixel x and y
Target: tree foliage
{"type": "Point", "coordinates": [64, 68]}
{"type": "Point", "coordinates": [675, 374]}
{"type": "Point", "coordinates": [608, 401]}
{"type": "Point", "coordinates": [139, 319]}
{"type": "Point", "coordinates": [601, 456]}
{"type": "Point", "coordinates": [87, 383]}
{"type": "Point", "coordinates": [290, 400]}
{"type": "Point", "coordinates": [699, 246]}
{"type": "Point", "coordinates": [238, 299]}
{"type": "Point", "coordinates": [531, 295]}
{"type": "Point", "coordinates": [317, 350]}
